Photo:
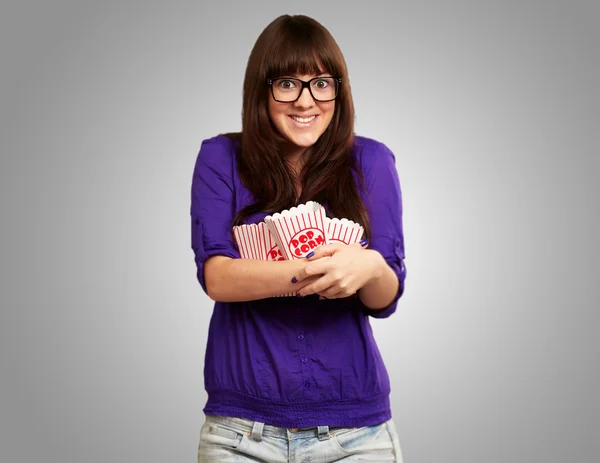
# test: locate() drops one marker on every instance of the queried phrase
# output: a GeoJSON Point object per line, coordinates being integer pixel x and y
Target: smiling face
{"type": "Point", "coordinates": [303, 121]}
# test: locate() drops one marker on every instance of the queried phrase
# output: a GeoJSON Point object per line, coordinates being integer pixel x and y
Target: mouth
{"type": "Point", "coordinates": [303, 121]}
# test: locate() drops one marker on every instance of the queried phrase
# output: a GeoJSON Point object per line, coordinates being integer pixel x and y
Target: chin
{"type": "Point", "coordinates": [304, 141]}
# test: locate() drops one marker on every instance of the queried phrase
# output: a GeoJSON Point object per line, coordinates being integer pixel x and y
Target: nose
{"type": "Point", "coordinates": [306, 100]}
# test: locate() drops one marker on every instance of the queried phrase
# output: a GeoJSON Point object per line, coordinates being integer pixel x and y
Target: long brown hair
{"type": "Point", "coordinates": [289, 45]}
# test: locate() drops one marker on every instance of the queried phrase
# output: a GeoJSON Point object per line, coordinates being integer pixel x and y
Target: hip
{"type": "Point", "coordinates": [229, 439]}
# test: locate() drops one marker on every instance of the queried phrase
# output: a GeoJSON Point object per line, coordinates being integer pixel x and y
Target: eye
{"type": "Point", "coordinates": [322, 83]}
{"type": "Point", "coordinates": [286, 84]}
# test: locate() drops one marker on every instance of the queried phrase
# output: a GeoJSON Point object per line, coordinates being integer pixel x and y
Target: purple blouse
{"type": "Point", "coordinates": [287, 361]}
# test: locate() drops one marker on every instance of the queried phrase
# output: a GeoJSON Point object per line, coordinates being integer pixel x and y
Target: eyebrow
{"type": "Point", "coordinates": [323, 74]}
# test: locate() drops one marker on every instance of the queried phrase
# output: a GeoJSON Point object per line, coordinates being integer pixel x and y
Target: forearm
{"type": "Point", "coordinates": [383, 287]}
{"type": "Point", "coordinates": [233, 280]}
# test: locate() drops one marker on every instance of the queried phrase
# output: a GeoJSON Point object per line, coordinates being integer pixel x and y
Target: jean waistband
{"type": "Point", "coordinates": [257, 429]}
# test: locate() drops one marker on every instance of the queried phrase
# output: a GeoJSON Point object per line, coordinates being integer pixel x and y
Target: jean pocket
{"type": "Point", "coordinates": [345, 438]}
{"type": "Point", "coordinates": [220, 434]}
{"type": "Point", "coordinates": [367, 441]}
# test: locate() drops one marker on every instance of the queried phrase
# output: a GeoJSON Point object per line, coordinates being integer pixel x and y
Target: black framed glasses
{"type": "Point", "coordinates": [289, 89]}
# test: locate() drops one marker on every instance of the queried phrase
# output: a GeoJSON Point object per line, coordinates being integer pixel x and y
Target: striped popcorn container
{"type": "Point", "coordinates": [343, 231]}
{"type": "Point", "coordinates": [255, 241]}
{"type": "Point", "coordinates": [298, 230]}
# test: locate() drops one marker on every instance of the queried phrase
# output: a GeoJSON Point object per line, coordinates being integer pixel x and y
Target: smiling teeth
{"type": "Point", "coordinates": [305, 119]}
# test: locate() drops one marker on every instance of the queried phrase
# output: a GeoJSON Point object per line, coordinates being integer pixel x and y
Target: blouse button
{"type": "Point", "coordinates": [306, 384]}
{"type": "Point", "coordinates": [304, 359]}
{"type": "Point", "coordinates": [301, 337]}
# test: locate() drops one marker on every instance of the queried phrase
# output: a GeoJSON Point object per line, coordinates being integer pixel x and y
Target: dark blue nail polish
{"type": "Point", "coordinates": [298, 295]}
{"type": "Point", "coordinates": [363, 243]}
{"type": "Point", "coordinates": [310, 254]}
{"type": "Point", "coordinates": [294, 280]}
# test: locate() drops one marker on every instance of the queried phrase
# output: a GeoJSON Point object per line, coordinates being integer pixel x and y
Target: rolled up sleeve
{"type": "Point", "coordinates": [212, 204]}
{"type": "Point", "coordinates": [384, 203]}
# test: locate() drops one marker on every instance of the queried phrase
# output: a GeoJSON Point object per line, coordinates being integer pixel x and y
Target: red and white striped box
{"type": "Point", "coordinates": [343, 231]}
{"type": "Point", "coordinates": [255, 241]}
{"type": "Point", "coordinates": [299, 230]}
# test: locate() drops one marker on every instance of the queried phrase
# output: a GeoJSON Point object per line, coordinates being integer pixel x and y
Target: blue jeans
{"type": "Point", "coordinates": [228, 439]}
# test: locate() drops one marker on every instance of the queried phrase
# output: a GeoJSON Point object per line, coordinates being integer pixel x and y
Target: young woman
{"type": "Point", "coordinates": [297, 378]}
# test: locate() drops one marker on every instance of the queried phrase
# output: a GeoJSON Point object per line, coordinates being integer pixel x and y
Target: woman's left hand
{"type": "Point", "coordinates": [345, 269]}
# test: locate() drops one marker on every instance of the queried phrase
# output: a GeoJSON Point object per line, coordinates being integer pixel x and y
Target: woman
{"type": "Point", "coordinates": [297, 378]}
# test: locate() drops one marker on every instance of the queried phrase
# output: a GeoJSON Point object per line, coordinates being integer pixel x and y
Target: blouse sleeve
{"type": "Point", "coordinates": [212, 204]}
{"type": "Point", "coordinates": [384, 203]}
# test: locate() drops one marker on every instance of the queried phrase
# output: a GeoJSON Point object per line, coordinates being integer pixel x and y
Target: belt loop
{"type": "Point", "coordinates": [323, 432]}
{"type": "Point", "coordinates": [257, 429]}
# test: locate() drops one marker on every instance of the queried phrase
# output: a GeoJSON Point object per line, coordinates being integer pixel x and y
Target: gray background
{"type": "Point", "coordinates": [492, 111]}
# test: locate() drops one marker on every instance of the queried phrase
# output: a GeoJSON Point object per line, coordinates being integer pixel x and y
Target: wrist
{"type": "Point", "coordinates": [378, 266]}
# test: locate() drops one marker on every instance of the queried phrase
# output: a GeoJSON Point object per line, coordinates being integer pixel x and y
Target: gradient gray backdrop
{"type": "Point", "coordinates": [492, 111]}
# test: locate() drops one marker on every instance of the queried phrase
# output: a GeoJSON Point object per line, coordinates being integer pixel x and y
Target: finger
{"type": "Point", "coordinates": [340, 295]}
{"type": "Point", "coordinates": [324, 250]}
{"type": "Point", "coordinates": [329, 293]}
{"type": "Point", "coordinates": [362, 244]}
{"type": "Point", "coordinates": [326, 293]}
{"type": "Point", "coordinates": [302, 279]}
{"type": "Point", "coordinates": [318, 267]}
{"type": "Point", "coordinates": [338, 289]}
{"type": "Point", "coordinates": [301, 275]}
{"type": "Point", "coordinates": [318, 287]}
{"type": "Point", "coordinates": [331, 248]}
{"type": "Point", "coordinates": [333, 292]}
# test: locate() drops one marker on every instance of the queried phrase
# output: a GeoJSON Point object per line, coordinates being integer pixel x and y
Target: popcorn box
{"type": "Point", "coordinates": [255, 241]}
{"type": "Point", "coordinates": [343, 231]}
{"type": "Point", "coordinates": [298, 230]}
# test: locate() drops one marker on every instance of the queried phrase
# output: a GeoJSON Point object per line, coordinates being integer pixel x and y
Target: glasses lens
{"type": "Point", "coordinates": [322, 89]}
{"type": "Point", "coordinates": [286, 89]}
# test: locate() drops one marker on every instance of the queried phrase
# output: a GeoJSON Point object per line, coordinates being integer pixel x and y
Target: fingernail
{"type": "Point", "coordinates": [294, 280]}
{"type": "Point", "coordinates": [310, 254]}
{"type": "Point", "coordinates": [298, 295]}
{"type": "Point", "coordinates": [363, 243]}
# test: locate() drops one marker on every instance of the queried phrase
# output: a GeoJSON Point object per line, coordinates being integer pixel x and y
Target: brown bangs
{"type": "Point", "coordinates": [301, 49]}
